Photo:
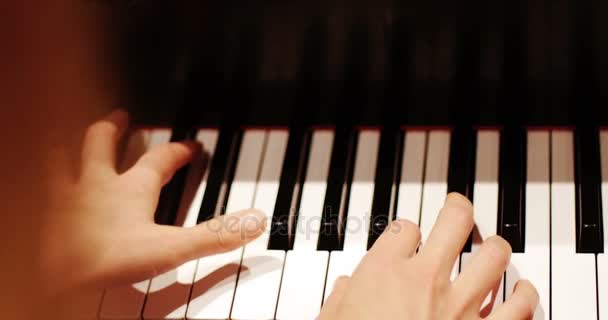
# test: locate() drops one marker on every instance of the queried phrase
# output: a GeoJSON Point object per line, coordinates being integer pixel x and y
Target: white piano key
{"type": "Point", "coordinates": [158, 136]}
{"type": "Point", "coordinates": [245, 180]}
{"type": "Point", "coordinates": [268, 184]}
{"type": "Point", "coordinates": [298, 280]}
{"type": "Point", "coordinates": [261, 269]}
{"type": "Point", "coordinates": [213, 287]}
{"type": "Point", "coordinates": [485, 199]}
{"type": "Point", "coordinates": [258, 286]}
{"type": "Point", "coordinates": [435, 187]}
{"type": "Point", "coordinates": [126, 302]}
{"type": "Point", "coordinates": [573, 287]}
{"type": "Point", "coordinates": [359, 208]}
{"type": "Point", "coordinates": [300, 297]}
{"type": "Point", "coordinates": [197, 179]}
{"type": "Point", "coordinates": [361, 191]}
{"type": "Point", "coordinates": [168, 293]}
{"type": "Point", "coordinates": [602, 280]}
{"type": "Point", "coordinates": [341, 263]}
{"type": "Point", "coordinates": [534, 264]}
{"type": "Point", "coordinates": [313, 191]}
{"type": "Point", "coordinates": [412, 171]}
{"type": "Point", "coordinates": [602, 259]}
{"type": "Point", "coordinates": [215, 277]}
{"type": "Point", "coordinates": [485, 193]}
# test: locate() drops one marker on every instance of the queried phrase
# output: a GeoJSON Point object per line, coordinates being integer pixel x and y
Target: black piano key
{"type": "Point", "coordinates": [386, 181]}
{"type": "Point", "coordinates": [221, 173]}
{"type": "Point", "coordinates": [284, 218]}
{"type": "Point", "coordinates": [171, 193]}
{"type": "Point", "coordinates": [512, 183]}
{"type": "Point", "coordinates": [461, 169]}
{"type": "Point", "coordinates": [589, 237]}
{"type": "Point", "coordinates": [337, 193]}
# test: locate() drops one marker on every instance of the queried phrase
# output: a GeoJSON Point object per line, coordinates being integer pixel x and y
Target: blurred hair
{"type": "Point", "coordinates": [55, 73]}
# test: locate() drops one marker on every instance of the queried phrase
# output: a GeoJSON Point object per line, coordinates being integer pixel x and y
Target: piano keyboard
{"type": "Point", "coordinates": [329, 193]}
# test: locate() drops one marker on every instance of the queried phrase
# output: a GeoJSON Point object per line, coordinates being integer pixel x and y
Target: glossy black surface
{"type": "Point", "coordinates": [221, 174]}
{"type": "Point", "coordinates": [512, 186]}
{"type": "Point", "coordinates": [337, 193]}
{"type": "Point", "coordinates": [386, 182]}
{"type": "Point", "coordinates": [286, 209]}
{"type": "Point", "coordinates": [543, 53]}
{"type": "Point", "coordinates": [461, 168]}
{"type": "Point", "coordinates": [589, 235]}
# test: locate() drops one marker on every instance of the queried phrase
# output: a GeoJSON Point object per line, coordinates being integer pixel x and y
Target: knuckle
{"type": "Point", "coordinates": [459, 304]}
{"type": "Point", "coordinates": [149, 178]}
{"type": "Point", "coordinates": [430, 270]}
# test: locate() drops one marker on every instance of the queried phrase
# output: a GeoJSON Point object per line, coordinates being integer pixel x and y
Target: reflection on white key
{"type": "Point", "coordinates": [304, 273]}
{"type": "Point", "coordinates": [342, 263]}
{"type": "Point", "coordinates": [573, 289]}
{"type": "Point", "coordinates": [485, 198]}
{"type": "Point", "coordinates": [313, 192]}
{"type": "Point", "coordinates": [485, 193]}
{"type": "Point", "coordinates": [261, 269]}
{"type": "Point", "coordinates": [300, 297]}
{"type": "Point", "coordinates": [126, 302]}
{"type": "Point", "coordinates": [362, 191]}
{"type": "Point", "coordinates": [533, 264]}
{"type": "Point", "coordinates": [168, 293]}
{"type": "Point", "coordinates": [435, 180]}
{"type": "Point", "coordinates": [602, 268]}
{"type": "Point", "coordinates": [602, 259]}
{"type": "Point", "coordinates": [412, 174]}
{"type": "Point", "coordinates": [435, 185]}
{"type": "Point", "coordinates": [215, 278]}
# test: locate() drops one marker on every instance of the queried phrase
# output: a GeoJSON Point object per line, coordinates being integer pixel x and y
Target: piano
{"type": "Point", "coordinates": [336, 117]}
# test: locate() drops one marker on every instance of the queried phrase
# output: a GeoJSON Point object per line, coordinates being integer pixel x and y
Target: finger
{"type": "Point", "coordinates": [159, 164]}
{"type": "Point", "coordinates": [400, 239]}
{"type": "Point", "coordinates": [218, 235]}
{"type": "Point", "coordinates": [101, 141]}
{"type": "Point", "coordinates": [520, 305]}
{"type": "Point", "coordinates": [450, 232]}
{"type": "Point", "coordinates": [330, 307]}
{"type": "Point", "coordinates": [485, 269]}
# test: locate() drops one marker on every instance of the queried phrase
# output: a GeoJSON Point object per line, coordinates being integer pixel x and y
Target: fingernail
{"type": "Point", "coordinates": [457, 199]}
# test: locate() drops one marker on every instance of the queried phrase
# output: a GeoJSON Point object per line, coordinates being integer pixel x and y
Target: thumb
{"type": "Point", "coordinates": [221, 234]}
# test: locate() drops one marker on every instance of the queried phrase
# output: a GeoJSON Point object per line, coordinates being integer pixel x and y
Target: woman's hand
{"type": "Point", "coordinates": [394, 281]}
{"type": "Point", "coordinates": [101, 228]}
